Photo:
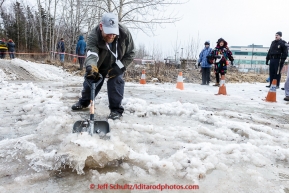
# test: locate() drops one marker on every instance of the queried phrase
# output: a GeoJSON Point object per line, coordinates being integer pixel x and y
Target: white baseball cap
{"type": "Point", "coordinates": [110, 23]}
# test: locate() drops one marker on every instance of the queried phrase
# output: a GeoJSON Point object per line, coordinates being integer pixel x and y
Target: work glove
{"type": "Point", "coordinates": [115, 71]}
{"type": "Point", "coordinates": [267, 62]}
{"type": "Point", "coordinates": [232, 63]}
{"type": "Point", "coordinates": [199, 64]}
{"type": "Point", "coordinates": [92, 72]}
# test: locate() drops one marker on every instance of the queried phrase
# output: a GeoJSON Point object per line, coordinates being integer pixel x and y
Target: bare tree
{"type": "Point", "coordinates": [141, 51]}
{"type": "Point", "coordinates": [156, 53]}
{"type": "Point", "coordinates": [144, 15]}
{"type": "Point", "coordinates": [176, 47]}
{"type": "Point", "coordinates": [40, 26]}
{"type": "Point", "coordinates": [1, 3]}
{"type": "Point", "coordinates": [192, 48]}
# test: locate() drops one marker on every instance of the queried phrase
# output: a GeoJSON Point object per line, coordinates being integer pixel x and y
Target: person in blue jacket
{"type": "Point", "coordinates": [206, 67]}
{"type": "Point", "coordinates": [80, 51]}
{"type": "Point", "coordinates": [11, 48]}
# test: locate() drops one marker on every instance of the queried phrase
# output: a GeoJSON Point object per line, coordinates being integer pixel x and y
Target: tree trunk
{"type": "Point", "coordinates": [40, 26]}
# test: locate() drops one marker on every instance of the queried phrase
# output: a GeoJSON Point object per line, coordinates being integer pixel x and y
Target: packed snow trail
{"type": "Point", "coordinates": [234, 143]}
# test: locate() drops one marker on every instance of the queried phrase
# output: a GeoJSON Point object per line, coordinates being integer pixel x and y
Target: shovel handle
{"type": "Point", "coordinates": [92, 97]}
{"type": "Point", "coordinates": [93, 86]}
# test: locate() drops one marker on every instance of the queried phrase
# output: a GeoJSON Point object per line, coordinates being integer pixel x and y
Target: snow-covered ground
{"type": "Point", "coordinates": [233, 143]}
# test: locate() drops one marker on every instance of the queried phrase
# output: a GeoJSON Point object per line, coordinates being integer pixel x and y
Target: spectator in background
{"type": "Point", "coordinates": [206, 66]}
{"type": "Point", "coordinates": [286, 86]}
{"type": "Point", "coordinates": [61, 50]}
{"type": "Point", "coordinates": [80, 51]}
{"type": "Point", "coordinates": [277, 55]}
{"type": "Point", "coordinates": [220, 56]}
{"type": "Point", "coordinates": [11, 48]}
{"type": "Point", "coordinates": [3, 49]}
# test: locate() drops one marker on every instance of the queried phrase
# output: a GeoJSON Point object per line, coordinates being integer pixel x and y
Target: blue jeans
{"type": "Point", "coordinates": [61, 57]}
{"type": "Point", "coordinates": [11, 54]}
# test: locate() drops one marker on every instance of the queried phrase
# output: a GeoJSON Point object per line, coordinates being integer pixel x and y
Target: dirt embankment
{"type": "Point", "coordinates": [162, 73]}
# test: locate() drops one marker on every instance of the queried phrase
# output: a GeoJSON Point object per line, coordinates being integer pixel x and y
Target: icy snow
{"type": "Point", "coordinates": [233, 143]}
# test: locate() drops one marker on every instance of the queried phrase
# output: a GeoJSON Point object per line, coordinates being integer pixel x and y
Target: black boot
{"type": "Point", "coordinates": [114, 115]}
{"type": "Point", "coordinates": [78, 106]}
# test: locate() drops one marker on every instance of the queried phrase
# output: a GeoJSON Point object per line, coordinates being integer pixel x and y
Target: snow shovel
{"type": "Point", "coordinates": [90, 125]}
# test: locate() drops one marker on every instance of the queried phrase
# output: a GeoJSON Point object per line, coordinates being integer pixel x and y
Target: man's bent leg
{"type": "Point", "coordinates": [115, 90]}
{"type": "Point", "coordinates": [84, 101]}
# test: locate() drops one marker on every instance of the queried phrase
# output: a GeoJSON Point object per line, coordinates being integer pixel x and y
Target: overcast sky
{"type": "Point", "coordinates": [239, 22]}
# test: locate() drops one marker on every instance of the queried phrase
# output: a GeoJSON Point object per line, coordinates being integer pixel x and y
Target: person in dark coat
{"type": "Point", "coordinates": [277, 55]}
{"type": "Point", "coordinates": [11, 48]}
{"type": "Point", "coordinates": [221, 54]}
{"type": "Point", "coordinates": [61, 50]}
{"type": "Point", "coordinates": [3, 49]}
{"type": "Point", "coordinates": [80, 51]}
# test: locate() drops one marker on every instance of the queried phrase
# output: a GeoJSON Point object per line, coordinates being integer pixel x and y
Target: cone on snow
{"type": "Point", "coordinates": [222, 88]}
{"type": "Point", "coordinates": [271, 96]}
{"type": "Point", "coordinates": [143, 77]}
{"type": "Point", "coordinates": [74, 60]}
{"type": "Point", "coordinates": [180, 84]}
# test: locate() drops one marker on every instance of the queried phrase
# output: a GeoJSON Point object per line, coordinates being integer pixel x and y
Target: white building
{"type": "Point", "coordinates": [250, 57]}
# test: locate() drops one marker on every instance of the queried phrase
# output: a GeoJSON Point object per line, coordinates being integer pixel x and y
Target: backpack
{"type": "Point", "coordinates": [210, 58]}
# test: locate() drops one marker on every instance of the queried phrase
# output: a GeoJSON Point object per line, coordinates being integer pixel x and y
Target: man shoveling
{"type": "Point", "coordinates": [110, 50]}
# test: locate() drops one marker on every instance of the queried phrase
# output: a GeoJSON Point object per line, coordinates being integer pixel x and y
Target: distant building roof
{"type": "Point", "coordinates": [249, 46]}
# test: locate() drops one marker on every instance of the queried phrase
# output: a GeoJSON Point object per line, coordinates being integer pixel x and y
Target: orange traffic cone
{"type": "Point", "coordinates": [271, 96]}
{"type": "Point", "coordinates": [180, 84]}
{"type": "Point", "coordinates": [222, 88]}
{"type": "Point", "coordinates": [74, 60]}
{"type": "Point", "coordinates": [143, 77]}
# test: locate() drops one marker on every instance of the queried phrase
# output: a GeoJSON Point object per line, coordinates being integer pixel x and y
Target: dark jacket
{"type": "Point", "coordinates": [224, 53]}
{"type": "Point", "coordinates": [278, 50]}
{"type": "Point", "coordinates": [81, 46]}
{"type": "Point", "coordinates": [98, 52]}
{"type": "Point", "coordinates": [60, 46]}
{"type": "Point", "coordinates": [11, 46]}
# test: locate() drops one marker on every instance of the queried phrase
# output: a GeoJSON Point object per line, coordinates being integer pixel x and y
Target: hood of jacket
{"type": "Point", "coordinates": [80, 38]}
{"type": "Point", "coordinates": [219, 41]}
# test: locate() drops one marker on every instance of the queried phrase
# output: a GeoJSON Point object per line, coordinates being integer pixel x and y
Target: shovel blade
{"type": "Point", "coordinates": [84, 126]}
